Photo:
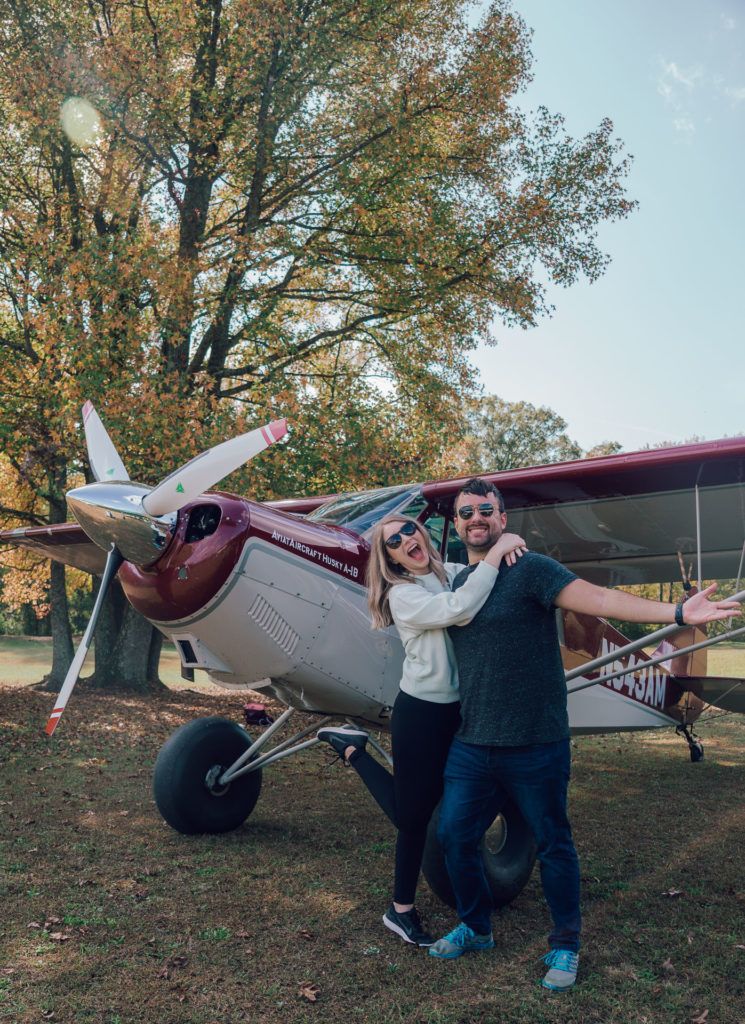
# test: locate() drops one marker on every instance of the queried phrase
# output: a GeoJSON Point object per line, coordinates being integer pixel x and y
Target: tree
{"type": "Point", "coordinates": [509, 435]}
{"type": "Point", "coordinates": [257, 190]}
{"type": "Point", "coordinates": [603, 448]}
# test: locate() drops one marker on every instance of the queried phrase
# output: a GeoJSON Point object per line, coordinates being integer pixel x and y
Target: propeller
{"type": "Point", "coordinates": [207, 469]}
{"type": "Point", "coordinates": [113, 561]}
{"type": "Point", "coordinates": [134, 523]}
{"type": "Point", "coordinates": [102, 455]}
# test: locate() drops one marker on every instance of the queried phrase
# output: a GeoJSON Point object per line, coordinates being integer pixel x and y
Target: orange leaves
{"type": "Point", "coordinates": [283, 216]}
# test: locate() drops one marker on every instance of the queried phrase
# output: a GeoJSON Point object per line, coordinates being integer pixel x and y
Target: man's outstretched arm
{"type": "Point", "coordinates": [581, 596]}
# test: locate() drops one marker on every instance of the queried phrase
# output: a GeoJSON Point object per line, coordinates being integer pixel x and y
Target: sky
{"type": "Point", "coordinates": [655, 350]}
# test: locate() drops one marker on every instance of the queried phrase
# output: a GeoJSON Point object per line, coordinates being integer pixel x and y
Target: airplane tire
{"type": "Point", "coordinates": [508, 850]}
{"type": "Point", "coordinates": [187, 761]}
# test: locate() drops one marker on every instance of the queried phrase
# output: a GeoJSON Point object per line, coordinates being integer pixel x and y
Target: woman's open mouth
{"type": "Point", "coordinates": [415, 552]}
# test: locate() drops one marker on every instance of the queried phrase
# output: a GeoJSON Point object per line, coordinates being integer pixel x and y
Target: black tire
{"type": "Point", "coordinates": [508, 850]}
{"type": "Point", "coordinates": [180, 780]}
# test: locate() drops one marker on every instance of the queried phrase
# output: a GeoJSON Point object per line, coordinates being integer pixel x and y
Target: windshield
{"type": "Point", "coordinates": [363, 509]}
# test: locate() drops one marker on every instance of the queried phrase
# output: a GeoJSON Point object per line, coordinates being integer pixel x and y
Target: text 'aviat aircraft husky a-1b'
{"type": "Point", "coordinates": [271, 597]}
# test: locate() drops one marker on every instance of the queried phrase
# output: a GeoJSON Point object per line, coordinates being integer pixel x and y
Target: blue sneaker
{"type": "Point", "coordinates": [459, 941]}
{"type": "Point", "coordinates": [563, 972]}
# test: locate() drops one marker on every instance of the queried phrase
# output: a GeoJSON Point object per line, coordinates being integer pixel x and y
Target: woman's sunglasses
{"type": "Point", "coordinates": [407, 530]}
{"type": "Point", "coordinates": [485, 508]}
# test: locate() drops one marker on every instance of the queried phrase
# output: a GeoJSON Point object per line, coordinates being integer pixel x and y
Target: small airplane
{"type": "Point", "coordinates": [271, 597]}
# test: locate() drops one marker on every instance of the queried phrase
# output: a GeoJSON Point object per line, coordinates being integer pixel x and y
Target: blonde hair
{"type": "Point", "coordinates": [383, 573]}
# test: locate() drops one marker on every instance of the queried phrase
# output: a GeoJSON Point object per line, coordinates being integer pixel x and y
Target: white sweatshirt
{"type": "Point", "coordinates": [422, 611]}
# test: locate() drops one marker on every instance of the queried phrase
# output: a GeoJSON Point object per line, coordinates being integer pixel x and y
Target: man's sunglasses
{"type": "Point", "coordinates": [407, 530]}
{"type": "Point", "coordinates": [486, 508]}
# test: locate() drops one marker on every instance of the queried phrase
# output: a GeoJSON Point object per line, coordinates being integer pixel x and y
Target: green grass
{"type": "Point", "coordinates": [26, 660]}
{"type": "Point", "coordinates": [109, 916]}
{"type": "Point", "coordinates": [727, 660]}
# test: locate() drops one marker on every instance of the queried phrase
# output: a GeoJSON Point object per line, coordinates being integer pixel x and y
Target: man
{"type": "Point", "coordinates": [514, 735]}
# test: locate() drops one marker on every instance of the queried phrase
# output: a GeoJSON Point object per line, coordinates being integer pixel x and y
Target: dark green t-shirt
{"type": "Point", "coordinates": [512, 688]}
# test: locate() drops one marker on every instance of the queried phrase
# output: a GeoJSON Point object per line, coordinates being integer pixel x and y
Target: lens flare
{"type": "Point", "coordinates": [81, 122]}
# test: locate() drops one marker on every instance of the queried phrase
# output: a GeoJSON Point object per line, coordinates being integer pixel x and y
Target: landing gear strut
{"type": "Point", "coordinates": [695, 746]}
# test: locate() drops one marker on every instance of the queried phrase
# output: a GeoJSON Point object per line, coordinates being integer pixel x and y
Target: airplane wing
{"type": "Point", "coordinates": [300, 506]}
{"type": "Point", "coordinates": [721, 692]}
{"type": "Point", "coordinates": [621, 519]}
{"type": "Point", "coordinates": [65, 542]}
{"type": "Point", "coordinates": [618, 519]}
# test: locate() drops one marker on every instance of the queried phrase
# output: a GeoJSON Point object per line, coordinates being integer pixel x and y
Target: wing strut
{"type": "Point", "coordinates": [739, 570]}
{"type": "Point", "coordinates": [709, 642]}
{"type": "Point", "coordinates": [698, 540]}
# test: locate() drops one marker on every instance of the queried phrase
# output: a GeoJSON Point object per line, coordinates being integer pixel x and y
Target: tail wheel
{"type": "Point", "coordinates": [508, 850]}
{"type": "Point", "coordinates": [188, 766]}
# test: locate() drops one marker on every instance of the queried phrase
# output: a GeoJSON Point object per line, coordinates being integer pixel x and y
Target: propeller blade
{"type": "Point", "coordinates": [102, 455]}
{"type": "Point", "coordinates": [113, 560]}
{"type": "Point", "coordinates": [207, 469]}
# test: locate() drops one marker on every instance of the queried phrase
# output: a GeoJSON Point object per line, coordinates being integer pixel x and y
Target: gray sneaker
{"type": "Point", "coordinates": [563, 964]}
{"type": "Point", "coordinates": [342, 736]}
{"type": "Point", "coordinates": [407, 925]}
{"type": "Point", "coordinates": [460, 940]}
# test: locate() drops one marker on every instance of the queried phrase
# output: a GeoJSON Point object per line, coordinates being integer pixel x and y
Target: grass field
{"type": "Point", "coordinates": [109, 917]}
{"type": "Point", "coordinates": [25, 660]}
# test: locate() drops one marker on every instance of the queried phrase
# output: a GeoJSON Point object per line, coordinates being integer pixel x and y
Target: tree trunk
{"type": "Point", "coordinates": [134, 654]}
{"type": "Point", "coordinates": [107, 631]}
{"type": "Point", "coordinates": [153, 659]}
{"type": "Point", "coordinates": [127, 647]}
{"type": "Point", "coordinates": [62, 649]}
{"type": "Point", "coordinates": [30, 624]}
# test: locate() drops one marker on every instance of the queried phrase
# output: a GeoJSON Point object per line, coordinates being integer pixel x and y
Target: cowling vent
{"type": "Point", "coordinates": [268, 619]}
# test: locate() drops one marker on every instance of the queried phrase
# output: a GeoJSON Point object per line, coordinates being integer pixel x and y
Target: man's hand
{"type": "Point", "coordinates": [699, 609]}
{"type": "Point", "coordinates": [509, 547]}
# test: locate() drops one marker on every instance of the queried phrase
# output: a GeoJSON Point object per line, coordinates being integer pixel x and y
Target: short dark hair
{"type": "Point", "coordinates": [483, 488]}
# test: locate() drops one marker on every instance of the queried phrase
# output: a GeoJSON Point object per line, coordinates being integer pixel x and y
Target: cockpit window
{"type": "Point", "coordinates": [362, 510]}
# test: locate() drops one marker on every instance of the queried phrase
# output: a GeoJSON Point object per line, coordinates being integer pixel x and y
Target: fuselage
{"type": "Point", "coordinates": [259, 598]}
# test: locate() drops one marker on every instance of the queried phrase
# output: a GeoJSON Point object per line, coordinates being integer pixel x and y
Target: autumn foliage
{"type": "Point", "coordinates": [302, 208]}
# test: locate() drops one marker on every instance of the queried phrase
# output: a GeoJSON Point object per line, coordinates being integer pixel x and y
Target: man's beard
{"type": "Point", "coordinates": [487, 544]}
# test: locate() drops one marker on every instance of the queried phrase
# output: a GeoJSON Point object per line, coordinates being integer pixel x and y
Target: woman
{"type": "Point", "coordinates": [409, 587]}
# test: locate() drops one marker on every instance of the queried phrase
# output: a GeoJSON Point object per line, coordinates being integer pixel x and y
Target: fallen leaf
{"type": "Point", "coordinates": [59, 937]}
{"type": "Point", "coordinates": [701, 1019]}
{"type": "Point", "coordinates": [668, 965]}
{"type": "Point", "coordinates": [305, 934]}
{"type": "Point", "coordinates": [736, 947]}
{"type": "Point", "coordinates": [310, 991]}
{"type": "Point", "coordinates": [673, 892]}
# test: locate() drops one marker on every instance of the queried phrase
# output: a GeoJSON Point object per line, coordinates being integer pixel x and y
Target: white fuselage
{"type": "Point", "coordinates": [291, 627]}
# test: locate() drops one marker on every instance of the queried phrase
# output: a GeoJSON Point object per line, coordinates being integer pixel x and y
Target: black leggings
{"type": "Point", "coordinates": [421, 733]}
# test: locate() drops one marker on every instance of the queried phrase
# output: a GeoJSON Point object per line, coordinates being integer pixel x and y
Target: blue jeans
{"type": "Point", "coordinates": [478, 780]}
